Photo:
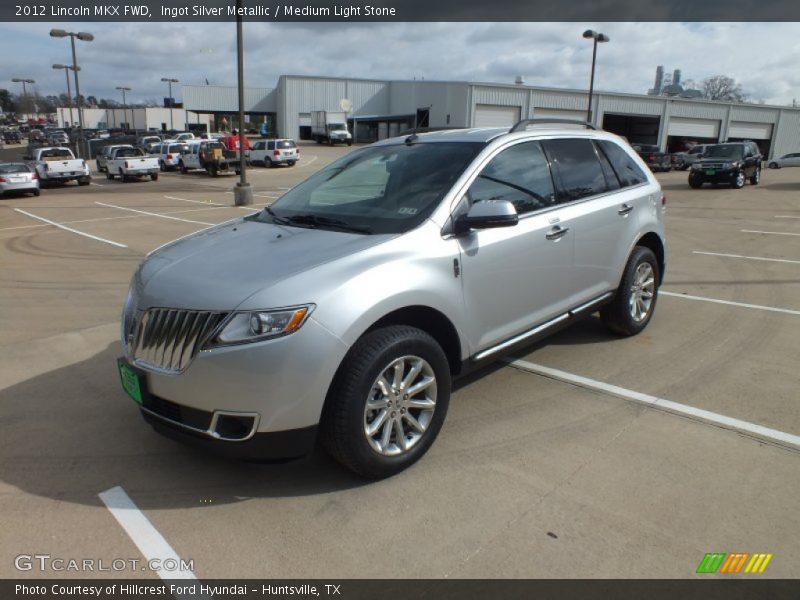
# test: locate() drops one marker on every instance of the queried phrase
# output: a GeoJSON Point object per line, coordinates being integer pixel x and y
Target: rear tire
{"type": "Point", "coordinates": [756, 178]}
{"type": "Point", "coordinates": [212, 170]}
{"type": "Point", "coordinates": [163, 166]}
{"type": "Point", "coordinates": [369, 393]}
{"type": "Point", "coordinates": [109, 175]}
{"type": "Point", "coordinates": [268, 162]}
{"type": "Point", "coordinates": [153, 176]}
{"type": "Point", "coordinates": [37, 192]}
{"type": "Point", "coordinates": [84, 181]}
{"type": "Point", "coordinates": [774, 165]}
{"type": "Point", "coordinates": [182, 168]}
{"type": "Point", "coordinates": [635, 300]}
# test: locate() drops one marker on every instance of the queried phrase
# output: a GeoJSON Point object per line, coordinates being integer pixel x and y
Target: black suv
{"type": "Point", "coordinates": [731, 163]}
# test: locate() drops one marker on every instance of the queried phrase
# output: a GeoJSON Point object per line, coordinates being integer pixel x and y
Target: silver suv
{"type": "Point", "coordinates": [343, 312]}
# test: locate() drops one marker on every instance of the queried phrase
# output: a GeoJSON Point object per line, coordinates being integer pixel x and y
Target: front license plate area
{"type": "Point", "coordinates": [710, 172]}
{"type": "Point", "coordinates": [133, 381]}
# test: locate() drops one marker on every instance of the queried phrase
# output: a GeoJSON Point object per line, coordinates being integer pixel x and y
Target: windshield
{"type": "Point", "coordinates": [14, 168]}
{"type": "Point", "coordinates": [379, 189]}
{"type": "Point", "coordinates": [56, 153]}
{"type": "Point", "coordinates": [337, 126]}
{"type": "Point", "coordinates": [731, 151]}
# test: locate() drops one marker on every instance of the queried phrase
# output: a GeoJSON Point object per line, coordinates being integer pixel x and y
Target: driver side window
{"type": "Point", "coordinates": [519, 174]}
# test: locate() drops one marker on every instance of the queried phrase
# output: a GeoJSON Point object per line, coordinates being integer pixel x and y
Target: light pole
{"type": "Point", "coordinates": [69, 91]}
{"type": "Point", "coordinates": [23, 82]}
{"type": "Point", "coordinates": [590, 34]}
{"type": "Point", "coordinates": [84, 37]}
{"type": "Point", "coordinates": [242, 193]}
{"type": "Point", "coordinates": [125, 105]}
{"type": "Point", "coordinates": [170, 81]}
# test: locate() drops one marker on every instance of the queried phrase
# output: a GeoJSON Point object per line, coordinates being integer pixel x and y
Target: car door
{"type": "Point", "coordinates": [513, 278]}
{"type": "Point", "coordinates": [608, 193]}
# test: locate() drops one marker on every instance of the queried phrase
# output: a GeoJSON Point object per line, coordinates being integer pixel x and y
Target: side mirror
{"type": "Point", "coordinates": [487, 214]}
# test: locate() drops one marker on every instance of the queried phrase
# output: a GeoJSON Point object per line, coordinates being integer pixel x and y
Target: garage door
{"type": "Point", "coordinates": [553, 113]}
{"type": "Point", "coordinates": [697, 128]}
{"type": "Point", "coordinates": [304, 119]}
{"type": "Point", "coordinates": [489, 115]}
{"type": "Point", "coordinates": [750, 131]}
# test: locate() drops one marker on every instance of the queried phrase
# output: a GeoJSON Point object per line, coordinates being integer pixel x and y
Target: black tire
{"type": "Point", "coordinates": [774, 165]}
{"type": "Point", "coordinates": [695, 182]}
{"type": "Point", "coordinates": [212, 170]}
{"type": "Point", "coordinates": [268, 162]}
{"type": "Point", "coordinates": [738, 180]}
{"type": "Point", "coordinates": [342, 427]}
{"type": "Point", "coordinates": [756, 178]}
{"type": "Point", "coordinates": [109, 175]}
{"type": "Point", "coordinates": [291, 163]}
{"type": "Point", "coordinates": [349, 143]}
{"type": "Point", "coordinates": [618, 315]}
{"type": "Point", "coordinates": [125, 178]}
{"type": "Point", "coordinates": [37, 192]}
{"type": "Point", "coordinates": [84, 181]}
{"type": "Point", "coordinates": [153, 176]}
{"type": "Point", "coordinates": [163, 166]}
{"type": "Point", "coordinates": [182, 168]}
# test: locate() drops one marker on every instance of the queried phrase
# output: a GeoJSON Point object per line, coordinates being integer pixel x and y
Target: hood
{"type": "Point", "coordinates": [220, 267]}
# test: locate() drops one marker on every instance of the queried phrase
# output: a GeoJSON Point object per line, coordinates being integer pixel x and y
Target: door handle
{"type": "Point", "coordinates": [556, 233]}
{"type": "Point", "coordinates": [624, 209]}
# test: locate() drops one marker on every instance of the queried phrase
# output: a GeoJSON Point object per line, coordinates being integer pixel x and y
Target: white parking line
{"type": "Point", "coordinates": [780, 260]}
{"type": "Point", "coordinates": [786, 217]}
{"type": "Point", "coordinates": [152, 214]}
{"type": "Point", "coordinates": [768, 232]}
{"type": "Point", "coordinates": [60, 226]}
{"type": "Point", "coordinates": [98, 184]}
{"type": "Point", "coordinates": [746, 427]}
{"type": "Point", "coordinates": [195, 201]}
{"type": "Point", "coordinates": [147, 538]}
{"type": "Point", "coordinates": [786, 311]}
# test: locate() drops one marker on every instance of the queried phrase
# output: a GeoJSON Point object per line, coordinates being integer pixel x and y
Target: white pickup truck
{"type": "Point", "coordinates": [127, 162]}
{"type": "Point", "coordinates": [59, 165]}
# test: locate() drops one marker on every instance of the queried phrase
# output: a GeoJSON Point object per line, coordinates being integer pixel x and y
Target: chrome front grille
{"type": "Point", "coordinates": [168, 339]}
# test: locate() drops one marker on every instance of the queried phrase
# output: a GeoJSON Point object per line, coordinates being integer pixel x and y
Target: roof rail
{"type": "Point", "coordinates": [525, 122]}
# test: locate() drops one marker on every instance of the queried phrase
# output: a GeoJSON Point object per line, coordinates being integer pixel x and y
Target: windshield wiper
{"type": "Point", "coordinates": [312, 220]}
{"type": "Point", "coordinates": [276, 218]}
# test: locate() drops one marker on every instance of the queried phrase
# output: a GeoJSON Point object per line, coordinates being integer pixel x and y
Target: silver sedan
{"type": "Point", "coordinates": [19, 178]}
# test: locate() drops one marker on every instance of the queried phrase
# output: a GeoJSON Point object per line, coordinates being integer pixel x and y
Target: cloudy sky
{"type": "Point", "coordinates": [763, 57]}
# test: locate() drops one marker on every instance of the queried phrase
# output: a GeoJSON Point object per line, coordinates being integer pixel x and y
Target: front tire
{"type": "Point", "coordinates": [738, 180]}
{"type": "Point", "coordinates": [635, 301]}
{"type": "Point", "coordinates": [387, 402]}
{"type": "Point", "coordinates": [695, 182]}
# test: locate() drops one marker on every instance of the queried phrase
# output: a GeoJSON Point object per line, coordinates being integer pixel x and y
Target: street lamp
{"type": "Point", "coordinates": [67, 69]}
{"type": "Point", "coordinates": [84, 37]}
{"type": "Point", "coordinates": [170, 81]}
{"type": "Point", "coordinates": [125, 104]}
{"type": "Point", "coordinates": [590, 34]}
{"type": "Point", "coordinates": [23, 82]}
{"type": "Point", "coordinates": [242, 193]}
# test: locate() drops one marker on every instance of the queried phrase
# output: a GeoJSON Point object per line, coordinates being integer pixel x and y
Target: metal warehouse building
{"type": "Point", "coordinates": [382, 109]}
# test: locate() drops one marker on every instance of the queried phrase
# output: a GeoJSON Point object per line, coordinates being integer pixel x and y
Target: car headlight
{"type": "Point", "coordinates": [258, 325]}
{"type": "Point", "coordinates": [696, 166]}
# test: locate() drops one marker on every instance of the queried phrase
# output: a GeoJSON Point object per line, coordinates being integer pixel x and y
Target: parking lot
{"type": "Point", "coordinates": [562, 461]}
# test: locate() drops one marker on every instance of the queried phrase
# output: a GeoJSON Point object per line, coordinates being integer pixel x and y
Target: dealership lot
{"type": "Point", "coordinates": [533, 475]}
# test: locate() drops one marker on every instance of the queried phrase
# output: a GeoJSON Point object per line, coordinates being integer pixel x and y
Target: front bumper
{"type": "Point", "coordinates": [719, 176]}
{"type": "Point", "coordinates": [271, 387]}
{"type": "Point", "coordinates": [278, 445]}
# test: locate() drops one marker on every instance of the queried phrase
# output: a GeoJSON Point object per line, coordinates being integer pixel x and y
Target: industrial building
{"type": "Point", "coordinates": [382, 109]}
{"type": "Point", "coordinates": [150, 118]}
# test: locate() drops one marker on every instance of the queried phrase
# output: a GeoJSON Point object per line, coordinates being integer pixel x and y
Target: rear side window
{"type": "Point", "coordinates": [628, 172]}
{"type": "Point", "coordinates": [577, 168]}
{"type": "Point", "coordinates": [519, 174]}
